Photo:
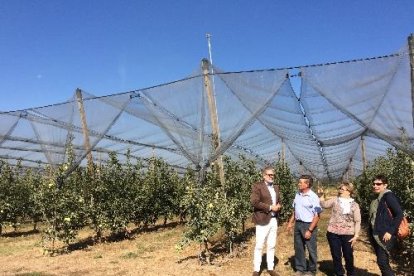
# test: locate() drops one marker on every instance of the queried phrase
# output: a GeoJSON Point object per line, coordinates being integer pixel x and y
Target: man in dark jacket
{"type": "Point", "coordinates": [385, 217]}
{"type": "Point", "coordinates": [265, 199]}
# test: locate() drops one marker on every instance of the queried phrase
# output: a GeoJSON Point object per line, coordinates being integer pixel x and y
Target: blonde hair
{"type": "Point", "coordinates": [349, 186]}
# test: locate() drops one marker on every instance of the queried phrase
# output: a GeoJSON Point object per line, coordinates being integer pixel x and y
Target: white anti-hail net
{"type": "Point", "coordinates": [341, 108]}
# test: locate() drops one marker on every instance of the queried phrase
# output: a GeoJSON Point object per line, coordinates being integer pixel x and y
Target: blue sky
{"type": "Point", "coordinates": [48, 48]}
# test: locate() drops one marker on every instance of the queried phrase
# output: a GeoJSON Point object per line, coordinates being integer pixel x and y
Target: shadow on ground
{"type": "Point", "coordinates": [326, 267]}
{"type": "Point", "coordinates": [120, 236]}
{"type": "Point", "coordinates": [263, 267]}
{"type": "Point", "coordinates": [221, 249]}
{"type": "Point", "coordinates": [16, 234]}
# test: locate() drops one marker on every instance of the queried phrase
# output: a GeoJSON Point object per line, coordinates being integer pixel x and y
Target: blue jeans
{"type": "Point", "coordinates": [300, 243]}
{"type": "Point", "coordinates": [340, 246]}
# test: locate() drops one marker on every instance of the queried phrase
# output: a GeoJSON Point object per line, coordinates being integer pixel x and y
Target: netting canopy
{"type": "Point", "coordinates": [342, 116]}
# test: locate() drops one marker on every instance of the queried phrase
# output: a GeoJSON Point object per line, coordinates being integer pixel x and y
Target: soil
{"type": "Point", "coordinates": [153, 252]}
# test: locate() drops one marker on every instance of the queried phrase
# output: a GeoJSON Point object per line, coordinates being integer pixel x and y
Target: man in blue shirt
{"type": "Point", "coordinates": [305, 219]}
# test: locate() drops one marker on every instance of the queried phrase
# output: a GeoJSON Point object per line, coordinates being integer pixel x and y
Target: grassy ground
{"type": "Point", "coordinates": [153, 252]}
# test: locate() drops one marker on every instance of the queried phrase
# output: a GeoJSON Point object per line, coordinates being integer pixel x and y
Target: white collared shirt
{"type": "Point", "coordinates": [272, 194]}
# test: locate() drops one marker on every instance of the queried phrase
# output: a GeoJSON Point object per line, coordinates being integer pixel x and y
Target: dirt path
{"type": "Point", "coordinates": [154, 253]}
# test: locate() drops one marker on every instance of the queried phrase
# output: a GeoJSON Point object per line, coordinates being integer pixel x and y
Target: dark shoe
{"type": "Point", "coordinates": [273, 273]}
{"type": "Point", "coordinates": [255, 273]}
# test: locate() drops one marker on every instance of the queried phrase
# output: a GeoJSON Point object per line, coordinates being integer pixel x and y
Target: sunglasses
{"type": "Point", "coordinates": [377, 183]}
{"type": "Point", "coordinates": [343, 189]}
{"type": "Point", "coordinates": [270, 174]}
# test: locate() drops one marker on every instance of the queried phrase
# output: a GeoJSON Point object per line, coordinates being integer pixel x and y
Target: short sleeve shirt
{"type": "Point", "coordinates": [306, 206]}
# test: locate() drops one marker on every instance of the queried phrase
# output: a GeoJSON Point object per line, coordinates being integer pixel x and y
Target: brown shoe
{"type": "Point", "coordinates": [273, 273]}
{"type": "Point", "coordinates": [255, 273]}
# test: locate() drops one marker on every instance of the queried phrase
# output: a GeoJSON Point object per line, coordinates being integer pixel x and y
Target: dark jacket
{"type": "Point", "coordinates": [261, 200]}
{"type": "Point", "coordinates": [384, 221]}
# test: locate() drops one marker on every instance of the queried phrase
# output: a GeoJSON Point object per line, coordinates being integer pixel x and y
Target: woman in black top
{"type": "Point", "coordinates": [385, 217]}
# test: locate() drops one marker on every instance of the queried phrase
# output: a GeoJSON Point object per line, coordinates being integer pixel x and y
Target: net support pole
{"type": "Point", "coordinates": [283, 152]}
{"type": "Point", "coordinates": [208, 88]}
{"type": "Point", "coordinates": [364, 157]}
{"type": "Point", "coordinates": [85, 129]}
{"type": "Point", "coordinates": [411, 54]}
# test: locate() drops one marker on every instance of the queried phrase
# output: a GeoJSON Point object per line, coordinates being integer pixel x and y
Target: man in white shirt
{"type": "Point", "coordinates": [265, 199]}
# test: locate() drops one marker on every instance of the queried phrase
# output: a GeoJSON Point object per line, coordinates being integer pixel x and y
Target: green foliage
{"type": "Point", "coordinates": [202, 203]}
{"type": "Point", "coordinates": [288, 188]}
{"type": "Point", "coordinates": [7, 183]}
{"type": "Point", "coordinates": [364, 195]}
{"type": "Point", "coordinates": [33, 183]}
{"type": "Point", "coordinates": [236, 197]}
{"type": "Point", "coordinates": [158, 193]}
{"type": "Point", "coordinates": [111, 198]}
{"type": "Point", "coordinates": [107, 197]}
{"type": "Point", "coordinates": [15, 199]}
{"type": "Point", "coordinates": [62, 210]}
{"type": "Point", "coordinates": [61, 204]}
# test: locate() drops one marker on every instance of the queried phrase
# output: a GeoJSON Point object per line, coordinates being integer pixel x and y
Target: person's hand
{"type": "Point", "coordinates": [387, 237]}
{"type": "Point", "coordinates": [308, 234]}
{"type": "Point", "coordinates": [353, 241]}
{"type": "Point", "coordinates": [321, 192]}
{"type": "Point", "coordinates": [276, 207]}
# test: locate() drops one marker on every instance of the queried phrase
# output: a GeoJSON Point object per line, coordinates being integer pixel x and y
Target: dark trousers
{"type": "Point", "coordinates": [340, 246]}
{"type": "Point", "coordinates": [300, 243]}
{"type": "Point", "coordinates": [383, 258]}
